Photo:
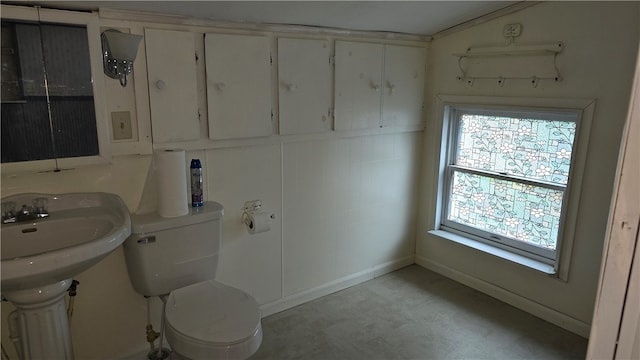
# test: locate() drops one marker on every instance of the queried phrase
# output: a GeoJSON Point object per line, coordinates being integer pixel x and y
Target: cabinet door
{"type": "Point", "coordinates": [358, 82]}
{"type": "Point", "coordinates": [404, 72]}
{"type": "Point", "coordinates": [304, 83]}
{"type": "Point", "coordinates": [238, 86]}
{"type": "Point", "coordinates": [173, 88]}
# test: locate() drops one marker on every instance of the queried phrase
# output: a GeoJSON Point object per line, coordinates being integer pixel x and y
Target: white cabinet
{"type": "Point", "coordinates": [403, 96]}
{"type": "Point", "coordinates": [304, 83]}
{"type": "Point", "coordinates": [378, 85]}
{"type": "Point", "coordinates": [173, 91]}
{"type": "Point", "coordinates": [238, 86]}
{"type": "Point", "coordinates": [358, 82]}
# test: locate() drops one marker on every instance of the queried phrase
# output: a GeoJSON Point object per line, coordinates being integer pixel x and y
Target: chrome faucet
{"type": "Point", "coordinates": [36, 211]}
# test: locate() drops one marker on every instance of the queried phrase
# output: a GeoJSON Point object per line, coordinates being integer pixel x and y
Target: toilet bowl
{"type": "Point", "coordinates": [177, 258]}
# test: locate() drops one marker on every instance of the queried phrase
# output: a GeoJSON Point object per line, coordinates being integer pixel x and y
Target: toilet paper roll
{"type": "Point", "coordinates": [171, 178]}
{"type": "Point", "coordinates": [258, 222]}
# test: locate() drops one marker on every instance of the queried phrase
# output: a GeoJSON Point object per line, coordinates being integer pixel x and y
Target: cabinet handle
{"type": "Point", "coordinates": [289, 87]}
{"type": "Point", "coordinates": [391, 87]}
{"type": "Point", "coordinates": [220, 86]}
{"type": "Point", "coordinates": [161, 84]}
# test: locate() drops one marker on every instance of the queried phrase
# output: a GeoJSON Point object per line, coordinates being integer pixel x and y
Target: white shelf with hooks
{"type": "Point", "coordinates": [510, 50]}
{"type": "Point", "coordinates": [513, 50]}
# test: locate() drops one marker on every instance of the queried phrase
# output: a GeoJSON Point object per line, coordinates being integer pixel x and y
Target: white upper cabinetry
{"type": "Point", "coordinates": [173, 91]}
{"type": "Point", "coordinates": [304, 82]}
{"type": "Point", "coordinates": [238, 86]}
{"type": "Point", "coordinates": [403, 95]}
{"type": "Point", "coordinates": [378, 85]}
{"type": "Point", "coordinates": [358, 84]}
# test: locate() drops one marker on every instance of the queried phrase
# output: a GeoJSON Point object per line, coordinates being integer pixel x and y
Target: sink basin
{"type": "Point", "coordinates": [82, 229]}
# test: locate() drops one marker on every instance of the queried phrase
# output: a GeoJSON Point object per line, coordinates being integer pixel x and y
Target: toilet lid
{"type": "Point", "coordinates": [213, 312]}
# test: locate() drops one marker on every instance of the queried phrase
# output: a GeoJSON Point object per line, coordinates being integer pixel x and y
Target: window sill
{"type": "Point", "coordinates": [503, 254]}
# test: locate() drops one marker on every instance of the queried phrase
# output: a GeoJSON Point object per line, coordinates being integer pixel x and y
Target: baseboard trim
{"type": "Point", "coordinates": [334, 286]}
{"type": "Point", "coordinates": [391, 266]}
{"type": "Point", "coordinates": [553, 316]}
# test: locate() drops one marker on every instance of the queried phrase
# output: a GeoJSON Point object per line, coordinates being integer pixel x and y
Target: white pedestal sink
{"type": "Point", "coordinates": [39, 258]}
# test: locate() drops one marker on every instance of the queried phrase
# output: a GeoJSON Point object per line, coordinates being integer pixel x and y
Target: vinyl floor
{"type": "Point", "coordinates": [413, 313]}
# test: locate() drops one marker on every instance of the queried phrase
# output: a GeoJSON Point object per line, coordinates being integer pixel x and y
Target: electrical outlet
{"type": "Point", "coordinates": [512, 30]}
{"type": "Point", "coordinates": [121, 125]}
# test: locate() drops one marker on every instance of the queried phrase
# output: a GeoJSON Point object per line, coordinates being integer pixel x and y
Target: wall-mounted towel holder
{"type": "Point", "coordinates": [508, 51]}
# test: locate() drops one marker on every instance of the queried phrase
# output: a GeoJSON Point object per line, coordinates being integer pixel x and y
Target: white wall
{"type": "Point", "coordinates": [347, 207]}
{"type": "Point", "coordinates": [600, 47]}
{"type": "Point", "coordinates": [344, 206]}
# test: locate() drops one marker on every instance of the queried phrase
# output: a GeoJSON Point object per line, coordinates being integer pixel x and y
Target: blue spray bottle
{"type": "Point", "coordinates": [197, 196]}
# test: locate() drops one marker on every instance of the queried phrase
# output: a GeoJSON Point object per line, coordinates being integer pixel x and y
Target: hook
{"type": "Point", "coordinates": [464, 73]}
{"type": "Point", "coordinates": [555, 66]}
{"type": "Point", "coordinates": [534, 81]}
{"type": "Point", "coordinates": [391, 87]}
{"type": "Point", "coordinates": [470, 81]}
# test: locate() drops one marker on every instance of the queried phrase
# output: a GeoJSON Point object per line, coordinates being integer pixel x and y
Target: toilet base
{"type": "Point", "coordinates": [242, 350]}
{"type": "Point", "coordinates": [159, 355]}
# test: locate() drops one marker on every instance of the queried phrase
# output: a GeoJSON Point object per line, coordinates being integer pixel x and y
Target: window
{"type": "Point", "coordinates": [53, 108]}
{"type": "Point", "coordinates": [48, 104]}
{"type": "Point", "coordinates": [510, 176]}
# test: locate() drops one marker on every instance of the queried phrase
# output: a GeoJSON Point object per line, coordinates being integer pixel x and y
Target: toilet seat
{"type": "Point", "coordinates": [213, 320]}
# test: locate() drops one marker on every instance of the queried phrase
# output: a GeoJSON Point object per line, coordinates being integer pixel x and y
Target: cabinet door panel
{"type": "Point", "coordinates": [403, 85]}
{"type": "Point", "coordinates": [238, 86]}
{"type": "Point", "coordinates": [304, 82]}
{"type": "Point", "coordinates": [358, 82]}
{"type": "Point", "coordinates": [173, 89]}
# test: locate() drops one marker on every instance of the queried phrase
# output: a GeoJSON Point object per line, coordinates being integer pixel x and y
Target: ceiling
{"type": "Point", "coordinates": [411, 17]}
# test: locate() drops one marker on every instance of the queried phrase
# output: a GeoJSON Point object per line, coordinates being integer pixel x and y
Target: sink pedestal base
{"type": "Point", "coordinates": [42, 323]}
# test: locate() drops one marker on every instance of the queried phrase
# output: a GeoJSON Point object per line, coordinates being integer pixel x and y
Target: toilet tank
{"type": "Point", "coordinates": [164, 254]}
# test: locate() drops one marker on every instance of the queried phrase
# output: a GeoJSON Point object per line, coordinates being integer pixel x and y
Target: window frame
{"type": "Point", "coordinates": [505, 242]}
{"type": "Point", "coordinates": [90, 20]}
{"type": "Point", "coordinates": [583, 109]}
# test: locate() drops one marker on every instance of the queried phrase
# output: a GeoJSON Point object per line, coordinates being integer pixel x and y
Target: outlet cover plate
{"type": "Point", "coordinates": [512, 30]}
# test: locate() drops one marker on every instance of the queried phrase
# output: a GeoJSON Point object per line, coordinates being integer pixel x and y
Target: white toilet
{"type": "Point", "coordinates": [178, 257]}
